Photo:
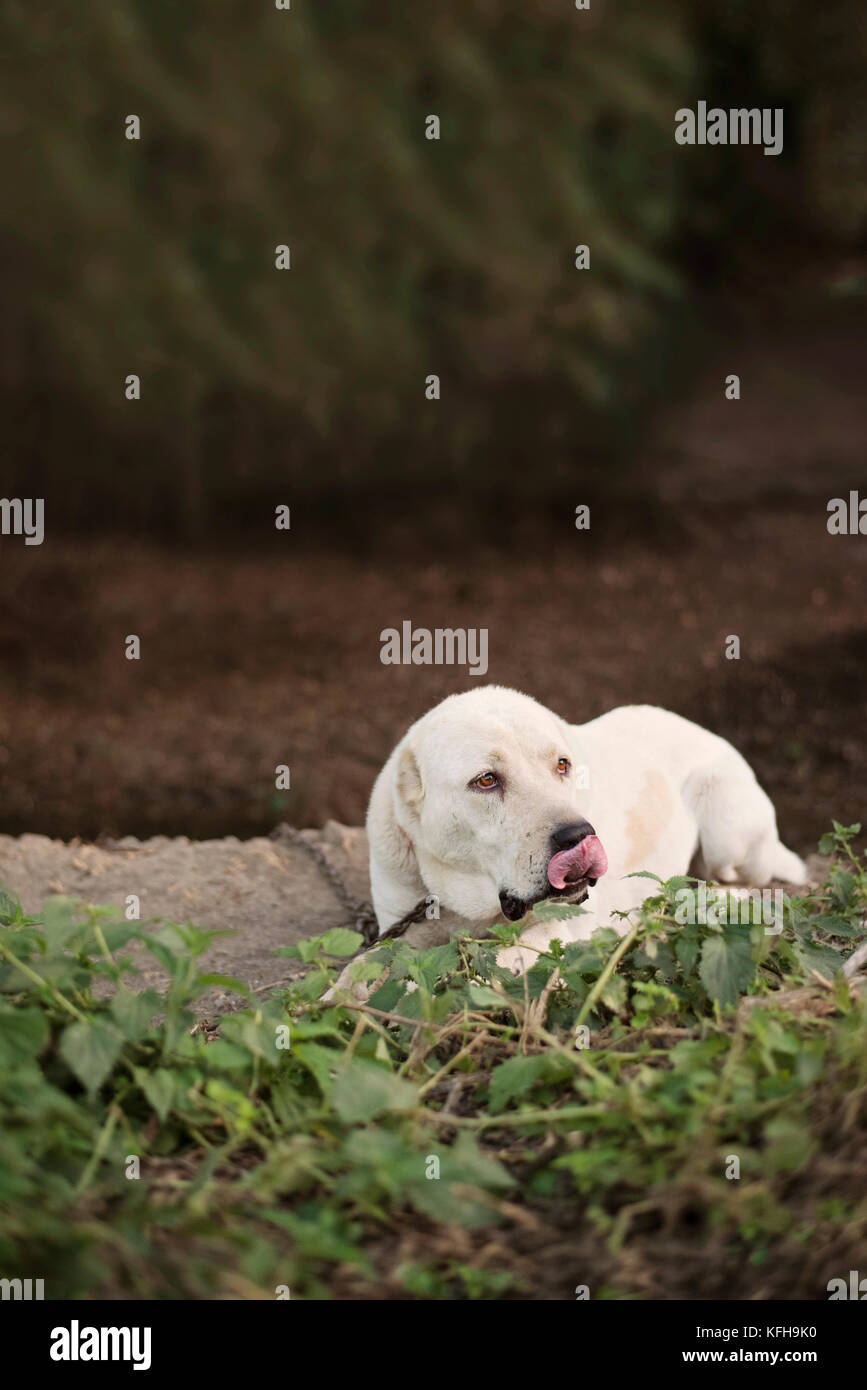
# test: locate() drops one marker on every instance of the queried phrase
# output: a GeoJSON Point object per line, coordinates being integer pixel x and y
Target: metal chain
{"type": "Point", "coordinates": [358, 910]}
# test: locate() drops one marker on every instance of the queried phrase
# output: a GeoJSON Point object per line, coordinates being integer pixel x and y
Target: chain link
{"type": "Point", "coordinates": [358, 910]}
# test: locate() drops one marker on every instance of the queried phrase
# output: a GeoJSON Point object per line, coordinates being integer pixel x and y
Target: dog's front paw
{"type": "Point", "coordinates": [517, 959]}
{"type": "Point", "coordinates": [358, 990]}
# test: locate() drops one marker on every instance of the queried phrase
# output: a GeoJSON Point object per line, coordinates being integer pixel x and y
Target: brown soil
{"type": "Point", "coordinates": [248, 663]}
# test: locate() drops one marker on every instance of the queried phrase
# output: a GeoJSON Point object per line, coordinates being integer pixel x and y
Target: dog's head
{"type": "Point", "coordinates": [487, 789]}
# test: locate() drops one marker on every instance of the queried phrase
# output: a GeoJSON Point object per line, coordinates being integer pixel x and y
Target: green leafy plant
{"type": "Point", "coordinates": [377, 1145]}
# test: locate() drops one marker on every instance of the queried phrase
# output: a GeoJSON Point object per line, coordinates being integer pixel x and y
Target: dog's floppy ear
{"type": "Point", "coordinates": [408, 780]}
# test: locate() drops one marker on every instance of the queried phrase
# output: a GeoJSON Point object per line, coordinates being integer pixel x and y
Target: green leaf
{"type": "Point", "coordinates": [613, 994]}
{"type": "Point", "coordinates": [679, 883]}
{"type": "Point", "coordinates": [388, 996]}
{"type": "Point", "coordinates": [321, 1062]}
{"type": "Point", "coordinates": [225, 1056]}
{"type": "Point", "coordinates": [181, 941]}
{"type": "Point", "coordinates": [823, 959]}
{"type": "Point", "coordinates": [369, 966]}
{"type": "Point", "coordinates": [60, 922]}
{"type": "Point", "coordinates": [340, 941]}
{"type": "Point", "coordinates": [133, 1012]}
{"type": "Point", "coordinates": [160, 1088]}
{"type": "Point", "coordinates": [364, 1090]}
{"type": "Point", "coordinates": [686, 948]}
{"type": "Point", "coordinates": [9, 908]}
{"type": "Point", "coordinates": [547, 911]}
{"type": "Point", "coordinates": [464, 1172]}
{"type": "Point", "coordinates": [727, 966]}
{"type": "Point", "coordinates": [307, 950]}
{"type": "Point", "coordinates": [257, 1033]}
{"type": "Point", "coordinates": [116, 933]}
{"type": "Point", "coordinates": [788, 1144]}
{"type": "Point", "coordinates": [323, 1028]}
{"type": "Point", "coordinates": [843, 886]}
{"type": "Point", "coordinates": [837, 926]}
{"type": "Point", "coordinates": [513, 1079]}
{"type": "Point", "coordinates": [23, 1035]}
{"type": "Point", "coordinates": [90, 1049]}
{"type": "Point", "coordinates": [483, 997]}
{"type": "Point", "coordinates": [584, 958]}
{"type": "Point", "coordinates": [315, 983]}
{"type": "Point", "coordinates": [429, 966]}
{"type": "Point", "coordinates": [235, 1107]}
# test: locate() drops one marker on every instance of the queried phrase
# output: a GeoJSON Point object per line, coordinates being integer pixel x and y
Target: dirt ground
{"type": "Point", "coordinates": [259, 662]}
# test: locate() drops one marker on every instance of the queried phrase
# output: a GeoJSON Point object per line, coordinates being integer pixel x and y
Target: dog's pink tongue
{"type": "Point", "coordinates": [585, 860]}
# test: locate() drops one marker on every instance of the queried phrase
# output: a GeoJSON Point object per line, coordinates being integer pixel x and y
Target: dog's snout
{"type": "Point", "coordinates": [567, 836]}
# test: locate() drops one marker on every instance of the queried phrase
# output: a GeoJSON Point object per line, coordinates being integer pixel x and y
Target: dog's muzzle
{"type": "Point", "coordinates": [578, 857]}
{"type": "Point", "coordinates": [577, 862]}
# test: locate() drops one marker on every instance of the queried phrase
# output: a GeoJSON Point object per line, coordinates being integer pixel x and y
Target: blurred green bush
{"type": "Point", "coordinates": [409, 256]}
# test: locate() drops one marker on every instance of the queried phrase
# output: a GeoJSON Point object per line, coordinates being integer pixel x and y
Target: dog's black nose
{"type": "Point", "coordinates": [567, 836]}
{"type": "Point", "coordinates": [513, 908]}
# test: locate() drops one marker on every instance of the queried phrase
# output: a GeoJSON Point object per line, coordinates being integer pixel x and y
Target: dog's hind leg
{"type": "Point", "coordinates": [737, 827]}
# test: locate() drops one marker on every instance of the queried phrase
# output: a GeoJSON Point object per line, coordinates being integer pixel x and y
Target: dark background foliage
{"type": "Point", "coordinates": [409, 256]}
{"type": "Point", "coordinates": [306, 387]}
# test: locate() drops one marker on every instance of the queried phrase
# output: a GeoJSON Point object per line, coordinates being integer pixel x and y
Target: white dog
{"type": "Point", "coordinates": [491, 803]}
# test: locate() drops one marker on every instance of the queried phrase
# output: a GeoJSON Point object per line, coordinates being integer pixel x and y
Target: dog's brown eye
{"type": "Point", "coordinates": [563, 766]}
{"type": "Point", "coordinates": [485, 782]}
